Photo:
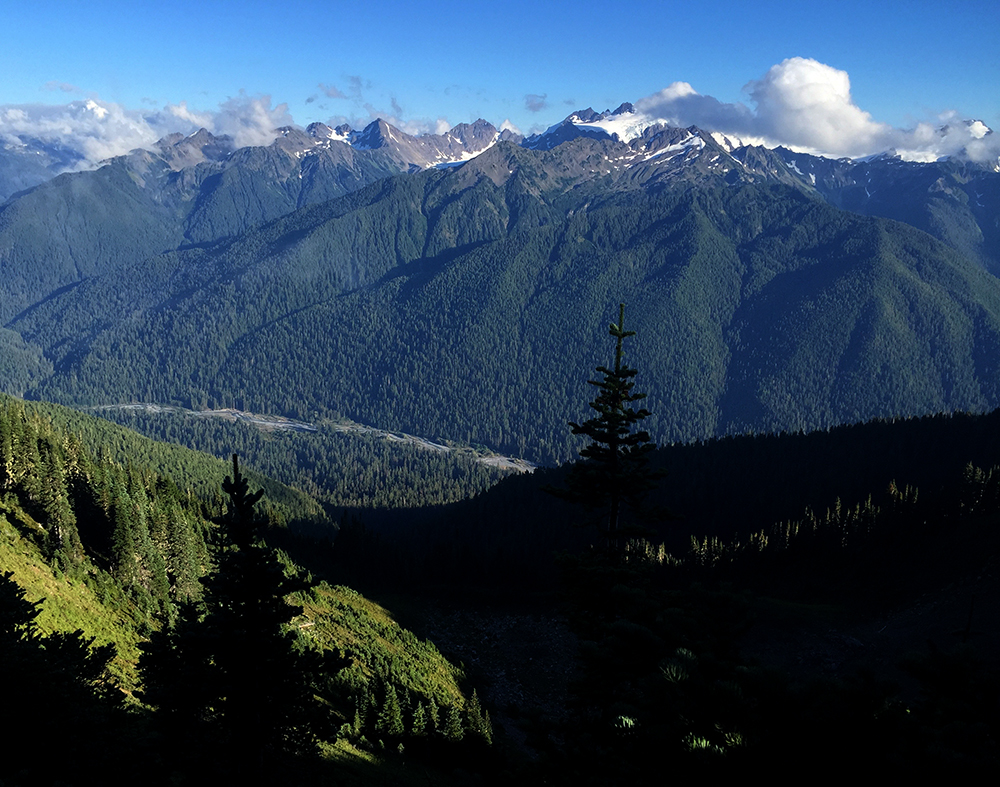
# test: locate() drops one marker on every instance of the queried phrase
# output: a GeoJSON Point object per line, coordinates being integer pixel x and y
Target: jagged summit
{"type": "Point", "coordinates": [622, 124]}
{"type": "Point", "coordinates": [185, 151]}
{"type": "Point", "coordinates": [376, 134]}
{"type": "Point", "coordinates": [411, 151]}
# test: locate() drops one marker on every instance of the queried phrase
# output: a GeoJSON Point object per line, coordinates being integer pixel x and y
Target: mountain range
{"type": "Point", "coordinates": [459, 285]}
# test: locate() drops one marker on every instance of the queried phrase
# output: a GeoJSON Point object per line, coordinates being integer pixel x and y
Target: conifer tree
{"type": "Point", "coordinates": [453, 729]}
{"type": "Point", "coordinates": [7, 447]}
{"type": "Point", "coordinates": [478, 721]}
{"type": "Point", "coordinates": [360, 714]}
{"type": "Point", "coordinates": [614, 474]}
{"type": "Point", "coordinates": [433, 720]}
{"type": "Point", "coordinates": [419, 726]}
{"type": "Point", "coordinates": [232, 665]}
{"type": "Point", "coordinates": [390, 718]}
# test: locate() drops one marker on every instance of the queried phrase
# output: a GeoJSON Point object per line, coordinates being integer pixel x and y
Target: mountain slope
{"type": "Point", "coordinates": [469, 304]}
{"type": "Point", "coordinates": [956, 202]}
{"type": "Point", "coordinates": [192, 190]}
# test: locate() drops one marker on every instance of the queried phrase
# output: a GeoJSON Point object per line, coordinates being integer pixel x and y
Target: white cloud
{"type": "Point", "coordinates": [800, 103]}
{"type": "Point", "coordinates": [807, 106]}
{"type": "Point", "coordinates": [97, 130]}
{"type": "Point", "coordinates": [985, 150]}
{"type": "Point", "coordinates": [94, 129]}
{"type": "Point", "coordinates": [250, 120]}
{"type": "Point", "coordinates": [508, 126]}
{"type": "Point", "coordinates": [418, 126]}
{"type": "Point", "coordinates": [187, 116]}
{"type": "Point", "coordinates": [679, 104]}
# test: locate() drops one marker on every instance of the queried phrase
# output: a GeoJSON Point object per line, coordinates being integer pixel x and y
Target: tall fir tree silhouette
{"type": "Point", "coordinates": [614, 474]}
{"type": "Point", "coordinates": [231, 666]}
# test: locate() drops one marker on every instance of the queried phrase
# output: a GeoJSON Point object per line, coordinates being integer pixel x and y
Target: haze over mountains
{"type": "Point", "coordinates": [459, 285]}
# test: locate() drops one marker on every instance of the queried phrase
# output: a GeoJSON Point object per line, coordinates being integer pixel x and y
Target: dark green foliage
{"type": "Point", "coordinates": [196, 473]}
{"type": "Point", "coordinates": [478, 720]}
{"type": "Point", "coordinates": [841, 551]}
{"type": "Point", "coordinates": [58, 684]}
{"type": "Point", "coordinates": [17, 614]}
{"type": "Point", "coordinates": [94, 223]}
{"type": "Point", "coordinates": [392, 698]}
{"type": "Point", "coordinates": [24, 365]}
{"type": "Point", "coordinates": [453, 728]}
{"type": "Point", "coordinates": [89, 514]}
{"type": "Point", "coordinates": [419, 726]}
{"type": "Point", "coordinates": [760, 308]}
{"type": "Point", "coordinates": [433, 717]}
{"type": "Point", "coordinates": [614, 476]}
{"type": "Point", "coordinates": [390, 717]}
{"type": "Point", "coordinates": [661, 673]}
{"type": "Point", "coordinates": [726, 489]}
{"type": "Point", "coordinates": [339, 467]}
{"type": "Point", "coordinates": [231, 669]}
{"type": "Point", "coordinates": [949, 199]}
{"type": "Point", "coordinates": [763, 309]}
{"type": "Point", "coordinates": [140, 527]}
{"type": "Point", "coordinates": [81, 227]}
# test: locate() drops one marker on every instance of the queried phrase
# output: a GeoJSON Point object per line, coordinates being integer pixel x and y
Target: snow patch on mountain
{"type": "Point", "coordinates": [689, 143]}
{"type": "Point", "coordinates": [466, 155]}
{"type": "Point", "coordinates": [624, 123]}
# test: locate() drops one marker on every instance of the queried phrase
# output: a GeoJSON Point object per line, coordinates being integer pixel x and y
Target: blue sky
{"type": "Point", "coordinates": [426, 65]}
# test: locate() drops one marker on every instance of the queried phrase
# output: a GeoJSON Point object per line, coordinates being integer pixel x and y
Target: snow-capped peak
{"type": "Point", "coordinates": [624, 123]}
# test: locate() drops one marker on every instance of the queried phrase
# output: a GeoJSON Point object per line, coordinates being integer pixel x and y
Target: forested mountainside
{"type": "Point", "coordinates": [865, 621]}
{"type": "Point", "coordinates": [772, 601]}
{"type": "Point", "coordinates": [191, 190]}
{"type": "Point", "coordinates": [670, 661]}
{"type": "Point", "coordinates": [760, 308]}
{"type": "Point", "coordinates": [84, 509]}
{"type": "Point", "coordinates": [720, 491]}
{"type": "Point", "coordinates": [111, 569]}
{"type": "Point", "coordinates": [338, 464]}
{"type": "Point", "coordinates": [192, 469]}
{"type": "Point", "coordinates": [956, 202]}
{"type": "Point", "coordinates": [428, 302]}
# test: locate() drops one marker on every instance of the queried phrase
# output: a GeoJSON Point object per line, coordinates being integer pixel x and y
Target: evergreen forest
{"type": "Point", "coordinates": [183, 616]}
{"type": "Point", "coordinates": [587, 463]}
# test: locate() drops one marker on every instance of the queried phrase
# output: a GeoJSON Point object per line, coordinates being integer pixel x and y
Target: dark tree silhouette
{"type": "Point", "coordinates": [614, 474]}
{"type": "Point", "coordinates": [57, 693]}
{"type": "Point", "coordinates": [230, 666]}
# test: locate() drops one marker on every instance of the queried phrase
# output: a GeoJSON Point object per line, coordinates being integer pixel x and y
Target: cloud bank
{"type": "Point", "coordinates": [807, 106]}
{"type": "Point", "coordinates": [93, 130]}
